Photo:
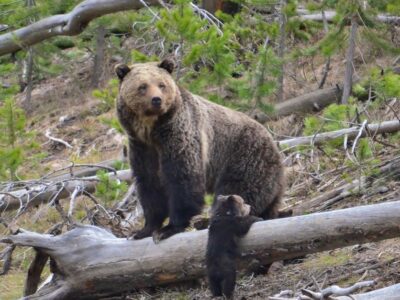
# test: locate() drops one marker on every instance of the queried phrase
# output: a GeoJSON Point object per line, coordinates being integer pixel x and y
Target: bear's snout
{"type": "Point", "coordinates": [156, 102]}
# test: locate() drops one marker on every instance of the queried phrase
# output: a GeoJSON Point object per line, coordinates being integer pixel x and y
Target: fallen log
{"type": "Point", "coordinates": [317, 139]}
{"type": "Point", "coordinates": [90, 263]}
{"type": "Point", "coordinates": [51, 191]}
{"type": "Point", "coordinates": [313, 101]}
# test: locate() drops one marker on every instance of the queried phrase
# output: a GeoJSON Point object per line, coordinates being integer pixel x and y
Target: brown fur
{"type": "Point", "coordinates": [190, 146]}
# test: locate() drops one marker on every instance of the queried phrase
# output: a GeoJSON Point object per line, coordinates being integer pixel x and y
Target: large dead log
{"type": "Point", "coordinates": [89, 262]}
{"type": "Point", "coordinates": [314, 101]}
{"type": "Point", "coordinates": [71, 23]}
{"type": "Point", "coordinates": [368, 130]}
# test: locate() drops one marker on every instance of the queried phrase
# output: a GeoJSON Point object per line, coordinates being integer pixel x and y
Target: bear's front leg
{"type": "Point", "coordinates": [184, 181]}
{"type": "Point", "coordinates": [145, 166]}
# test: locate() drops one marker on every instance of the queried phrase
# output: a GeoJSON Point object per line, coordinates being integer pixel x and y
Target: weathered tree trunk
{"type": "Point", "coordinates": [89, 262]}
{"type": "Point", "coordinates": [348, 76]}
{"type": "Point", "coordinates": [320, 138]}
{"type": "Point", "coordinates": [328, 60]}
{"type": "Point", "coordinates": [281, 48]}
{"type": "Point", "coordinates": [28, 66]}
{"type": "Point", "coordinates": [313, 101]}
{"type": "Point", "coordinates": [98, 61]}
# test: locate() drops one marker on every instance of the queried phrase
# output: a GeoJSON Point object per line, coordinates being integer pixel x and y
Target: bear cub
{"type": "Point", "coordinates": [230, 220]}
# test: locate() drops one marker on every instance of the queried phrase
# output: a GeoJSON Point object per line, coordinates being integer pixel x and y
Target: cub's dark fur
{"type": "Point", "coordinates": [230, 220]}
{"type": "Point", "coordinates": [182, 146]}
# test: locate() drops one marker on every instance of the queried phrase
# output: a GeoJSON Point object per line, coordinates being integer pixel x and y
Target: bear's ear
{"type": "Point", "coordinates": [121, 70]}
{"type": "Point", "coordinates": [167, 64]}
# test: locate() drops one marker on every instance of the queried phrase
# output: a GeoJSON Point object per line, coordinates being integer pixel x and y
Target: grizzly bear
{"type": "Point", "coordinates": [230, 220]}
{"type": "Point", "coordinates": [182, 146]}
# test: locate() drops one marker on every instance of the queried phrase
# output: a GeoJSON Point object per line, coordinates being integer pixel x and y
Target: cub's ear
{"type": "Point", "coordinates": [167, 64]}
{"type": "Point", "coordinates": [231, 198]}
{"type": "Point", "coordinates": [121, 70]}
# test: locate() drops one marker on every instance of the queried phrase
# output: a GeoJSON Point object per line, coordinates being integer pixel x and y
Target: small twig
{"type": "Point", "coordinates": [57, 140]}
{"type": "Point", "coordinates": [74, 194]}
{"type": "Point", "coordinates": [150, 10]}
{"type": "Point", "coordinates": [364, 124]}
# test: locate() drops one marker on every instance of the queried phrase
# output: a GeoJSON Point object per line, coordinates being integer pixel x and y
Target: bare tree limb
{"type": "Point", "coordinates": [57, 140]}
{"type": "Point", "coordinates": [43, 192]}
{"type": "Point", "coordinates": [337, 290]}
{"type": "Point", "coordinates": [71, 23]}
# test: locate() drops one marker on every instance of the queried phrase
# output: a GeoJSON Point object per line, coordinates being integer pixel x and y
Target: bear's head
{"type": "Point", "coordinates": [232, 205]}
{"type": "Point", "coordinates": [148, 89]}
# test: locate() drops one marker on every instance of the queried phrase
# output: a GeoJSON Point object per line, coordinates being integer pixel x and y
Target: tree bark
{"type": "Point", "coordinates": [313, 101]}
{"type": "Point", "coordinates": [89, 262]}
{"type": "Point", "coordinates": [320, 138]}
{"type": "Point", "coordinates": [98, 62]}
{"type": "Point", "coordinates": [348, 76]}
{"type": "Point", "coordinates": [281, 49]}
{"type": "Point", "coordinates": [70, 24]}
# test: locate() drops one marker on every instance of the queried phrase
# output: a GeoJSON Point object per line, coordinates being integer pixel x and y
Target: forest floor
{"type": "Point", "coordinates": [70, 112]}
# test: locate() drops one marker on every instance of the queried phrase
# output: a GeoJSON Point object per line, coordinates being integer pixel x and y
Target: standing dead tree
{"type": "Point", "coordinates": [121, 265]}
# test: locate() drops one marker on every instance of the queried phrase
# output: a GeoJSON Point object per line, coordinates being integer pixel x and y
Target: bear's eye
{"type": "Point", "coordinates": [161, 86]}
{"type": "Point", "coordinates": [142, 88]}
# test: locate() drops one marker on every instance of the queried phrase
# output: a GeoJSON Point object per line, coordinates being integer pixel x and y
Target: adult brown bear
{"type": "Point", "coordinates": [182, 146]}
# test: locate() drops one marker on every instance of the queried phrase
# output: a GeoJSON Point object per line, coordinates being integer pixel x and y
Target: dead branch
{"type": "Point", "coordinates": [122, 265]}
{"type": "Point", "coordinates": [57, 140]}
{"type": "Point", "coordinates": [337, 290]}
{"type": "Point", "coordinates": [70, 24]}
{"type": "Point", "coordinates": [327, 199]}
{"type": "Point", "coordinates": [42, 192]}
{"type": "Point", "coordinates": [390, 292]}
{"type": "Point", "coordinates": [319, 138]}
{"type": "Point", "coordinates": [306, 15]}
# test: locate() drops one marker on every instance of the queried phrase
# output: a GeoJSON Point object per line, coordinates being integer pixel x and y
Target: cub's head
{"type": "Point", "coordinates": [148, 89]}
{"type": "Point", "coordinates": [232, 205]}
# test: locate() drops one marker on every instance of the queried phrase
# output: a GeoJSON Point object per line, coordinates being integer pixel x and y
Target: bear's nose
{"type": "Point", "coordinates": [156, 101]}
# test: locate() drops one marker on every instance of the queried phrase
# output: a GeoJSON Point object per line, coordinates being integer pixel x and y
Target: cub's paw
{"type": "Point", "coordinates": [165, 233]}
{"type": "Point", "coordinates": [141, 234]}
